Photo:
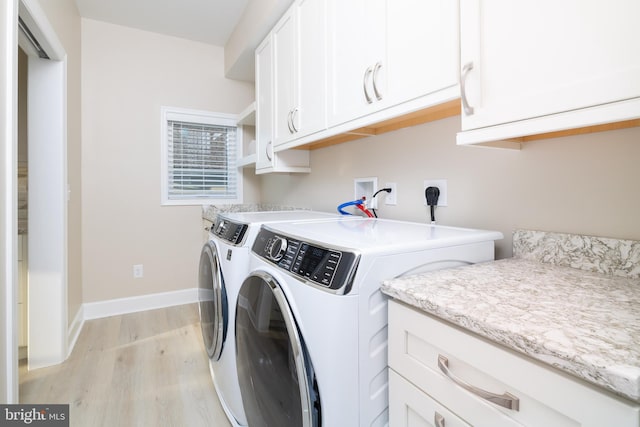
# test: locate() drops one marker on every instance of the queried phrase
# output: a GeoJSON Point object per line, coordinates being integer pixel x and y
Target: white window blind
{"type": "Point", "coordinates": [201, 155]}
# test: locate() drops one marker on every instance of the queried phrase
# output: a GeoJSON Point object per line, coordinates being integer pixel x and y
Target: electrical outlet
{"type": "Point", "coordinates": [138, 271]}
{"type": "Point", "coordinates": [366, 187]}
{"type": "Point", "coordinates": [442, 186]}
{"type": "Point", "coordinates": [391, 198]}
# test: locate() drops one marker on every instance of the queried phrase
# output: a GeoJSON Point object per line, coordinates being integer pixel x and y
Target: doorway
{"type": "Point", "coordinates": [46, 162]}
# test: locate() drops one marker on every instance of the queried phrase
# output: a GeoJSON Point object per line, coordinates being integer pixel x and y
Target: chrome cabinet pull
{"type": "Point", "coordinates": [269, 150]}
{"type": "Point", "coordinates": [438, 420]}
{"type": "Point", "coordinates": [468, 110]}
{"type": "Point", "coordinates": [375, 79]}
{"type": "Point", "coordinates": [364, 85]}
{"type": "Point", "coordinates": [506, 400]}
{"type": "Point", "coordinates": [290, 121]}
{"type": "Point", "coordinates": [293, 120]}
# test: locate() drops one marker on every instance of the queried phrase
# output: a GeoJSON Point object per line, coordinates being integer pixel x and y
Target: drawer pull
{"type": "Point", "coordinates": [506, 400]}
{"type": "Point", "coordinates": [438, 420]}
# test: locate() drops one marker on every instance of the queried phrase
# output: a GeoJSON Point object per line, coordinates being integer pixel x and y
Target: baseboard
{"type": "Point", "coordinates": [114, 307]}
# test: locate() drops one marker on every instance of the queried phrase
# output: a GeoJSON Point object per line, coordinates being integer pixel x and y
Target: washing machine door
{"type": "Point", "coordinates": [277, 382]}
{"type": "Point", "coordinates": [212, 301]}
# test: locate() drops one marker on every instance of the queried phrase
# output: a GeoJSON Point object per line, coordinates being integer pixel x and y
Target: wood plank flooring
{"type": "Point", "coordinates": [140, 369]}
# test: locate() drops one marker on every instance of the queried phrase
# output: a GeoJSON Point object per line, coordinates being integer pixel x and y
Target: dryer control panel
{"type": "Point", "coordinates": [228, 230]}
{"type": "Point", "coordinates": [330, 268]}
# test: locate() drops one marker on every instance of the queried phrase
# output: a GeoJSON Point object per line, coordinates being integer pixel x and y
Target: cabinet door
{"type": "Point", "coordinates": [310, 114]}
{"type": "Point", "coordinates": [533, 59]}
{"type": "Point", "coordinates": [356, 59]}
{"type": "Point", "coordinates": [285, 73]}
{"type": "Point", "coordinates": [264, 105]}
{"type": "Point", "coordinates": [422, 47]}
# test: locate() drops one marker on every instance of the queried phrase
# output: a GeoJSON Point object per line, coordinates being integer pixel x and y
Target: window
{"type": "Point", "coordinates": [199, 158]}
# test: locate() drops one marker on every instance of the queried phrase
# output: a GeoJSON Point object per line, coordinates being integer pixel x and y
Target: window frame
{"type": "Point", "coordinates": [196, 117]}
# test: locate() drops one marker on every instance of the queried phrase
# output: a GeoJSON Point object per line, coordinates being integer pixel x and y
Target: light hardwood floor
{"type": "Point", "coordinates": [141, 369]}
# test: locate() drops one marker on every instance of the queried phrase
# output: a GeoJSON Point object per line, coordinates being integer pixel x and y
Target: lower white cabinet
{"type": "Point", "coordinates": [434, 365]}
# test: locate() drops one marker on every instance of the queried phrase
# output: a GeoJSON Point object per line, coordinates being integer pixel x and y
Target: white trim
{"type": "Point", "coordinates": [114, 307]}
{"type": "Point", "coordinates": [32, 14]}
{"type": "Point", "coordinates": [8, 203]}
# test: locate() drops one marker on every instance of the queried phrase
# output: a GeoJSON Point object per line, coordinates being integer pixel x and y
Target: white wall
{"type": "Point", "coordinates": [580, 184]}
{"type": "Point", "coordinates": [127, 76]}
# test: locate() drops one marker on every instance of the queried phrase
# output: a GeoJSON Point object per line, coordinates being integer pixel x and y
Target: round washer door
{"type": "Point", "coordinates": [277, 381]}
{"type": "Point", "coordinates": [212, 301]}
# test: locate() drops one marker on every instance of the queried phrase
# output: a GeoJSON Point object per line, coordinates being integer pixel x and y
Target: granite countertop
{"type": "Point", "coordinates": [209, 212]}
{"type": "Point", "coordinates": [583, 322]}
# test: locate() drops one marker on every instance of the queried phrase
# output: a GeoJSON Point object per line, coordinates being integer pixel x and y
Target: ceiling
{"type": "Point", "coordinates": [208, 21]}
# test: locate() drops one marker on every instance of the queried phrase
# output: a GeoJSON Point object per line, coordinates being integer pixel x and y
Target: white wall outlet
{"type": "Point", "coordinates": [442, 186]}
{"type": "Point", "coordinates": [366, 187]}
{"type": "Point", "coordinates": [391, 198]}
{"type": "Point", "coordinates": [138, 271]}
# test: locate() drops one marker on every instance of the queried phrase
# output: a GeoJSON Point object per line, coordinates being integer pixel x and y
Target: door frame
{"type": "Point", "coordinates": [8, 201]}
{"type": "Point", "coordinates": [47, 156]}
{"type": "Point", "coordinates": [48, 323]}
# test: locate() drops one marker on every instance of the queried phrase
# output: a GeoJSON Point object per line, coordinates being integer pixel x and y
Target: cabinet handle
{"type": "Point", "coordinates": [438, 420]}
{"type": "Point", "coordinates": [364, 85]}
{"type": "Point", "coordinates": [506, 400]}
{"type": "Point", "coordinates": [269, 150]}
{"type": "Point", "coordinates": [290, 121]}
{"type": "Point", "coordinates": [468, 110]}
{"type": "Point", "coordinates": [293, 120]}
{"type": "Point", "coordinates": [375, 79]}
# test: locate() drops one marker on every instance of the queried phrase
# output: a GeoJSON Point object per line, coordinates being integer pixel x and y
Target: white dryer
{"type": "Point", "coordinates": [224, 263]}
{"type": "Point", "coordinates": [311, 322]}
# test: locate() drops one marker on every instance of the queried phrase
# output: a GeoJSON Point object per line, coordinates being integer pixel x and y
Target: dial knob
{"type": "Point", "coordinates": [277, 248]}
{"type": "Point", "coordinates": [221, 227]}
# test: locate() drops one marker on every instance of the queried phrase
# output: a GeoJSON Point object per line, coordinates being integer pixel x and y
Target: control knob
{"type": "Point", "coordinates": [221, 227]}
{"type": "Point", "coordinates": [277, 248]}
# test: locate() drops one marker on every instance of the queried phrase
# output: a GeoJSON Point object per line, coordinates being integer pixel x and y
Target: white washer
{"type": "Point", "coordinates": [311, 322]}
{"type": "Point", "coordinates": [224, 263]}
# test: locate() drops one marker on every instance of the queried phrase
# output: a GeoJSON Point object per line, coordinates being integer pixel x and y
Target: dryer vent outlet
{"type": "Point", "coordinates": [366, 187]}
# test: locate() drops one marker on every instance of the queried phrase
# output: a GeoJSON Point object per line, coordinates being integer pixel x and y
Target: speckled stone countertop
{"type": "Point", "coordinates": [576, 318]}
{"type": "Point", "coordinates": [209, 212]}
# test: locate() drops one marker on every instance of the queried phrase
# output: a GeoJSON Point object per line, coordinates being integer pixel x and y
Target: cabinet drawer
{"type": "Point", "coordinates": [545, 396]}
{"type": "Point", "coordinates": [410, 407]}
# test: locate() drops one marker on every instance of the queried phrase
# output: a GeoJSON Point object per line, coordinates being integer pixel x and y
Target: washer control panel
{"type": "Point", "coordinates": [228, 230]}
{"type": "Point", "coordinates": [329, 268]}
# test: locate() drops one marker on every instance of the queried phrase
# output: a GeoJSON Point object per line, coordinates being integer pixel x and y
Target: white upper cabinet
{"type": "Point", "coordinates": [267, 159]}
{"type": "Point", "coordinates": [264, 105]}
{"type": "Point", "coordinates": [311, 114]}
{"type": "Point", "coordinates": [299, 41]}
{"type": "Point", "coordinates": [422, 48]}
{"type": "Point", "coordinates": [357, 58]}
{"type": "Point", "coordinates": [383, 53]}
{"type": "Point", "coordinates": [541, 66]}
{"type": "Point", "coordinates": [284, 51]}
